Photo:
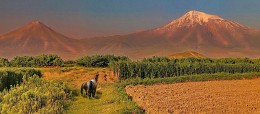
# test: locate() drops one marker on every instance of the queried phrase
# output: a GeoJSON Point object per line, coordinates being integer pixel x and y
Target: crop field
{"type": "Point", "coordinates": [230, 96]}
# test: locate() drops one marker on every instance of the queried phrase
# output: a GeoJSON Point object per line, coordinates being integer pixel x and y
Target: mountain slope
{"type": "Point", "coordinates": [36, 38]}
{"type": "Point", "coordinates": [198, 31]}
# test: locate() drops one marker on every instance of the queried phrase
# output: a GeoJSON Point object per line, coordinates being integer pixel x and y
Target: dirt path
{"type": "Point", "coordinates": [76, 76]}
{"type": "Point", "coordinates": [107, 99]}
{"type": "Point", "coordinates": [235, 96]}
{"type": "Point", "coordinates": [106, 102]}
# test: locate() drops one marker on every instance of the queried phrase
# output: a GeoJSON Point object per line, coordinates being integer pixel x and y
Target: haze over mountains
{"type": "Point", "coordinates": [208, 34]}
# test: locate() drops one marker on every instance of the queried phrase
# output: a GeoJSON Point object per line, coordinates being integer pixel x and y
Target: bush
{"type": "Point", "coordinates": [12, 77]}
{"type": "Point", "coordinates": [99, 60]}
{"type": "Point", "coordinates": [36, 61]}
{"type": "Point", "coordinates": [4, 62]}
{"type": "Point", "coordinates": [35, 96]}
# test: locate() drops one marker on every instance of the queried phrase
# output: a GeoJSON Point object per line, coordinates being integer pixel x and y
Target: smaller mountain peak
{"type": "Point", "coordinates": [34, 26]}
{"type": "Point", "coordinates": [36, 22]}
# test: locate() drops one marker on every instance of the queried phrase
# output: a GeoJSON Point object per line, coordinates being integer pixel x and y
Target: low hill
{"type": "Point", "coordinates": [187, 54]}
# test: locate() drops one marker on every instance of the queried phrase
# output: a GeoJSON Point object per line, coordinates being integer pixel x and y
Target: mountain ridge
{"type": "Point", "coordinates": [204, 33]}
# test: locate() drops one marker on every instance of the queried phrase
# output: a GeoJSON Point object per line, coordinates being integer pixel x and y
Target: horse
{"type": "Point", "coordinates": [89, 87]}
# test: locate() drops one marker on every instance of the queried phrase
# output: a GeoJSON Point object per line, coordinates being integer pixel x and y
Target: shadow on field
{"type": "Point", "coordinates": [97, 96]}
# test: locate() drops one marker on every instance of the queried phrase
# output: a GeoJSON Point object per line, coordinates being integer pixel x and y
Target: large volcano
{"type": "Point", "coordinates": [36, 38]}
{"type": "Point", "coordinates": [194, 31]}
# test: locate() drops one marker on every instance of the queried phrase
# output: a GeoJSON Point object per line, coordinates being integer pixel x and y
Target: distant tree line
{"type": "Point", "coordinates": [32, 61]}
{"type": "Point", "coordinates": [54, 60]}
{"type": "Point", "coordinates": [99, 60]}
{"type": "Point", "coordinates": [163, 67]}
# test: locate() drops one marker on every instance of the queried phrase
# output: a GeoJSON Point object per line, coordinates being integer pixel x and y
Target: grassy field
{"type": "Point", "coordinates": [107, 101]}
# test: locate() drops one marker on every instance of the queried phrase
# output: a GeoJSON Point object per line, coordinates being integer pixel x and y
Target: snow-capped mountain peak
{"type": "Point", "coordinates": [199, 17]}
{"type": "Point", "coordinates": [192, 18]}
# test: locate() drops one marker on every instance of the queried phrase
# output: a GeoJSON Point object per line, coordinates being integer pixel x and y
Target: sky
{"type": "Point", "coordinates": [94, 18]}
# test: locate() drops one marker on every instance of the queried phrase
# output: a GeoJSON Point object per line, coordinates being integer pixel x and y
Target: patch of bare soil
{"type": "Point", "coordinates": [212, 97]}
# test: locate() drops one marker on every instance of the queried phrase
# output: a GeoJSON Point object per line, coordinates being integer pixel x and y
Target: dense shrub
{"type": "Point", "coordinates": [36, 61]}
{"type": "Point", "coordinates": [4, 62]}
{"type": "Point", "coordinates": [35, 96]}
{"type": "Point", "coordinates": [99, 60]}
{"type": "Point", "coordinates": [13, 77]}
{"type": "Point", "coordinates": [69, 63]}
{"type": "Point", "coordinates": [54, 60]}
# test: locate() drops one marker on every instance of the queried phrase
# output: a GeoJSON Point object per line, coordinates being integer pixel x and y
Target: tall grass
{"type": "Point", "coordinates": [160, 68]}
{"type": "Point", "coordinates": [189, 78]}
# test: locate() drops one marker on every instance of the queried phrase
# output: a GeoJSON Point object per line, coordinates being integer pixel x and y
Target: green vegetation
{"type": "Point", "coordinates": [36, 61]}
{"type": "Point", "coordinates": [164, 67]}
{"type": "Point", "coordinates": [189, 78]}
{"type": "Point", "coordinates": [13, 77]}
{"type": "Point", "coordinates": [99, 60]}
{"type": "Point", "coordinates": [69, 63]}
{"type": "Point", "coordinates": [32, 61]}
{"type": "Point", "coordinates": [35, 96]}
{"type": "Point", "coordinates": [54, 60]}
{"type": "Point", "coordinates": [25, 92]}
{"type": "Point", "coordinates": [4, 62]}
